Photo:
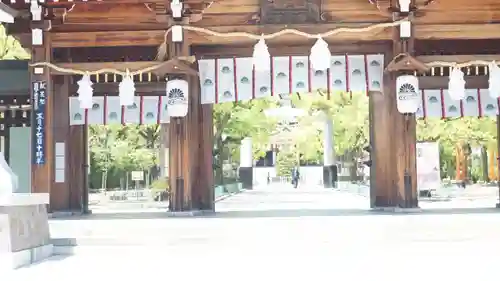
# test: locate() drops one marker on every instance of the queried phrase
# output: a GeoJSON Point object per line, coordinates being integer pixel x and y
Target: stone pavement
{"type": "Point", "coordinates": [279, 233]}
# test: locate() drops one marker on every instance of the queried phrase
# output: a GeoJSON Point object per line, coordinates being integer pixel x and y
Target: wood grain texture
{"type": "Point", "coordinates": [60, 192]}
{"type": "Point", "coordinates": [68, 195]}
{"type": "Point", "coordinates": [393, 143]}
{"type": "Point", "coordinates": [205, 164]}
{"type": "Point", "coordinates": [42, 175]}
{"type": "Point", "coordinates": [156, 37]}
{"type": "Point", "coordinates": [76, 172]}
{"type": "Point", "coordinates": [190, 144]}
{"type": "Point", "coordinates": [458, 58]}
{"type": "Point", "coordinates": [134, 22]}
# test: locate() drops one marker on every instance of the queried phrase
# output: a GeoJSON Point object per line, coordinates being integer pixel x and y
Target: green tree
{"type": "Point", "coordinates": [351, 125]}
{"type": "Point", "coordinates": [117, 150]}
{"type": "Point", "coordinates": [286, 160]}
{"type": "Point", "coordinates": [101, 139]}
{"type": "Point", "coordinates": [10, 48]}
{"type": "Point", "coordinates": [235, 121]}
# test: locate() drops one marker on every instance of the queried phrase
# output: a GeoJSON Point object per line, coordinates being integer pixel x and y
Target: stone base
{"type": "Point", "coordinates": [330, 176]}
{"type": "Point", "coordinates": [54, 215]}
{"type": "Point", "coordinates": [397, 210]}
{"type": "Point", "coordinates": [24, 229]}
{"type": "Point", "coordinates": [26, 257]}
{"type": "Point", "coordinates": [194, 213]}
{"type": "Point", "coordinates": [246, 177]}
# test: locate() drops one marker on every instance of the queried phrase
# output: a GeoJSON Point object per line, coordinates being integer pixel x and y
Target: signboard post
{"type": "Point", "coordinates": [38, 124]}
{"type": "Point", "coordinates": [136, 177]}
{"type": "Point", "coordinates": [428, 169]}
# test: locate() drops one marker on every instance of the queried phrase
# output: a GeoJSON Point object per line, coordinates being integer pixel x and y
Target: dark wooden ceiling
{"type": "Point", "coordinates": [143, 22]}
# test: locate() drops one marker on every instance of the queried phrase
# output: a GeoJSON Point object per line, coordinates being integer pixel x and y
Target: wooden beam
{"type": "Point", "coordinates": [156, 37]}
{"type": "Point", "coordinates": [116, 2]}
{"type": "Point", "coordinates": [441, 82]}
{"type": "Point", "coordinates": [457, 31]}
{"type": "Point", "coordinates": [108, 38]}
{"type": "Point", "coordinates": [353, 48]}
{"type": "Point", "coordinates": [456, 47]}
{"type": "Point", "coordinates": [458, 58]}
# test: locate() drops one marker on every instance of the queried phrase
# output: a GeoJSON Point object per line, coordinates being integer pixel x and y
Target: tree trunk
{"type": "Point", "coordinates": [126, 180]}
{"type": "Point", "coordinates": [353, 168]}
{"type": "Point", "coordinates": [219, 173]}
{"type": "Point", "coordinates": [484, 163]}
{"type": "Point", "coordinates": [104, 180]}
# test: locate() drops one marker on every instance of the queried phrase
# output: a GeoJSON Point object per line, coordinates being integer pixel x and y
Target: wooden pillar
{"type": "Point", "coordinates": [69, 154]}
{"type": "Point", "coordinates": [190, 152]}
{"type": "Point", "coordinates": [392, 141]}
{"type": "Point", "coordinates": [42, 99]}
{"type": "Point", "coordinates": [76, 165]}
{"type": "Point", "coordinates": [52, 139]}
{"type": "Point", "coordinates": [205, 187]}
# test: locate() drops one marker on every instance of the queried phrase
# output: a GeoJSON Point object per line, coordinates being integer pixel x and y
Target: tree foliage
{"type": "Point", "coordinates": [10, 48]}
{"type": "Point", "coordinates": [120, 149]}
{"type": "Point", "coordinates": [350, 123]}
{"type": "Point", "coordinates": [232, 123]}
{"type": "Point", "coordinates": [476, 132]}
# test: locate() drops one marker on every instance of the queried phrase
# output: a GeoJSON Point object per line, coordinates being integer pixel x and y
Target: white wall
{"type": "Point", "coordinates": [20, 156]}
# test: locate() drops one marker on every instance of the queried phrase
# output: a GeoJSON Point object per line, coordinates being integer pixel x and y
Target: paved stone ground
{"type": "Point", "coordinates": [278, 233]}
{"type": "Point", "coordinates": [475, 191]}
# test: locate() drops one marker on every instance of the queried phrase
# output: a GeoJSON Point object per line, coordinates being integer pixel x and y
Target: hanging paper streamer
{"type": "Point", "coordinates": [85, 92]}
{"type": "Point", "coordinates": [494, 80]}
{"type": "Point", "coordinates": [126, 91]}
{"type": "Point", "coordinates": [320, 55]}
{"type": "Point", "coordinates": [456, 85]}
{"type": "Point", "coordinates": [261, 57]}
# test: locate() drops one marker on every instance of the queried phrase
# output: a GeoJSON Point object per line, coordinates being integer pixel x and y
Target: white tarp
{"type": "Point", "coordinates": [8, 179]}
{"type": "Point", "coordinates": [428, 172]}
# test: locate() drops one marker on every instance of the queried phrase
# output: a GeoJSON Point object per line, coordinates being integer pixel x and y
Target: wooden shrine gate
{"type": "Point", "coordinates": [381, 40]}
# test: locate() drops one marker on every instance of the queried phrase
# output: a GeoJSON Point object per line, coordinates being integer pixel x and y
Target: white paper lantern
{"type": "Point", "coordinates": [85, 92]}
{"type": "Point", "coordinates": [408, 94]}
{"type": "Point", "coordinates": [177, 98]}
{"type": "Point", "coordinates": [126, 91]}
{"type": "Point", "coordinates": [456, 85]}
{"type": "Point", "coordinates": [261, 58]}
{"type": "Point", "coordinates": [494, 80]}
{"type": "Point", "coordinates": [320, 56]}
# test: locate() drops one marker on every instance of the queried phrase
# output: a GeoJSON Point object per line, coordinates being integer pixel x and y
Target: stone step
{"type": "Point", "coordinates": [103, 250]}
{"type": "Point", "coordinates": [139, 241]}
